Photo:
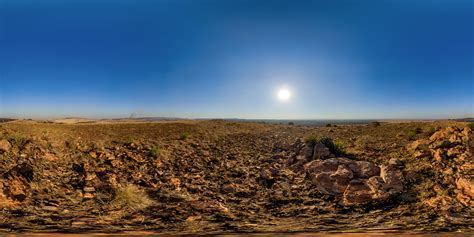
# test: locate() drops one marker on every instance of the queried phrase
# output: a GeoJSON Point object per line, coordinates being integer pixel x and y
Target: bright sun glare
{"type": "Point", "coordinates": [284, 94]}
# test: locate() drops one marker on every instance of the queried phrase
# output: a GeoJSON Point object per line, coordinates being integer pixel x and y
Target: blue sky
{"type": "Point", "coordinates": [227, 58]}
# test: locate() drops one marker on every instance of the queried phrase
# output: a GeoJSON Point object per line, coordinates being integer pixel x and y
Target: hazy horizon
{"type": "Point", "coordinates": [279, 59]}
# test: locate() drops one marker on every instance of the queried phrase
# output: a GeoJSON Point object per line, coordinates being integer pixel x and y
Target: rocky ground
{"type": "Point", "coordinates": [218, 176]}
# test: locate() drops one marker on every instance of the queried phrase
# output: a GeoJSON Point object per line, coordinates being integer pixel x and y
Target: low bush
{"type": "Point", "coordinates": [471, 125]}
{"type": "Point", "coordinates": [155, 151]}
{"type": "Point", "coordinates": [336, 147]}
{"type": "Point", "coordinates": [184, 135]}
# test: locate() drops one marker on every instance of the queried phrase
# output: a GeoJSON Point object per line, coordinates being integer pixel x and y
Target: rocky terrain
{"type": "Point", "coordinates": [220, 176]}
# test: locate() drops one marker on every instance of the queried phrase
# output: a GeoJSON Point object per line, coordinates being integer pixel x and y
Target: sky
{"type": "Point", "coordinates": [341, 59]}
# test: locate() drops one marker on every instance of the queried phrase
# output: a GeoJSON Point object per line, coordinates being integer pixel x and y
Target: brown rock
{"type": "Point", "coordinates": [439, 155]}
{"type": "Point", "coordinates": [466, 132]}
{"type": "Point", "coordinates": [441, 144]}
{"type": "Point", "coordinates": [93, 154]}
{"type": "Point", "coordinates": [357, 182]}
{"type": "Point", "coordinates": [421, 153]}
{"type": "Point", "coordinates": [175, 182]}
{"type": "Point", "coordinates": [50, 157]}
{"type": "Point", "coordinates": [325, 184]}
{"type": "Point", "coordinates": [88, 195]}
{"type": "Point", "coordinates": [5, 146]}
{"type": "Point", "coordinates": [439, 135]}
{"type": "Point", "coordinates": [466, 185]}
{"type": "Point", "coordinates": [89, 189]}
{"type": "Point", "coordinates": [17, 189]}
{"type": "Point", "coordinates": [392, 178]}
{"type": "Point", "coordinates": [320, 152]}
{"type": "Point", "coordinates": [364, 169]}
{"type": "Point", "coordinates": [333, 183]}
{"type": "Point", "coordinates": [375, 183]}
{"type": "Point", "coordinates": [357, 192]}
{"type": "Point", "coordinates": [308, 151]}
{"type": "Point", "coordinates": [418, 145]}
{"type": "Point", "coordinates": [455, 151]}
{"type": "Point", "coordinates": [318, 166]}
{"type": "Point", "coordinates": [455, 139]}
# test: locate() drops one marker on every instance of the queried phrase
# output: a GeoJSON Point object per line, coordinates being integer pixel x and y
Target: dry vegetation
{"type": "Point", "coordinates": [217, 176]}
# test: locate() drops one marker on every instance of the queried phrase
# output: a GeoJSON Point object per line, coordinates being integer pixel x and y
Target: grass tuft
{"type": "Point", "coordinates": [18, 140]}
{"type": "Point", "coordinates": [184, 135]}
{"type": "Point", "coordinates": [155, 151]}
{"type": "Point", "coordinates": [130, 198]}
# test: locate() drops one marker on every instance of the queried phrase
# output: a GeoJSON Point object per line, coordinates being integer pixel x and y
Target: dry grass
{"type": "Point", "coordinates": [130, 198]}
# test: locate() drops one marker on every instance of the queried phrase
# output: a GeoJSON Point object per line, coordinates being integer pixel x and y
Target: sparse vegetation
{"type": "Point", "coordinates": [430, 130]}
{"type": "Point", "coordinates": [130, 198]}
{"type": "Point", "coordinates": [411, 134]}
{"type": "Point", "coordinates": [18, 140]}
{"type": "Point", "coordinates": [471, 125]}
{"type": "Point", "coordinates": [312, 140]}
{"type": "Point", "coordinates": [375, 124]}
{"type": "Point", "coordinates": [184, 135]}
{"type": "Point", "coordinates": [155, 151]}
{"type": "Point", "coordinates": [363, 142]}
{"type": "Point", "coordinates": [336, 147]}
{"type": "Point", "coordinates": [291, 123]}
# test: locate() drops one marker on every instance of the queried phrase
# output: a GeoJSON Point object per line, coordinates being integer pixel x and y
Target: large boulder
{"type": "Point", "coordinates": [356, 182]}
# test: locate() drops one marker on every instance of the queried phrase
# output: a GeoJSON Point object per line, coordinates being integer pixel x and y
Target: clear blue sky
{"type": "Point", "coordinates": [227, 58]}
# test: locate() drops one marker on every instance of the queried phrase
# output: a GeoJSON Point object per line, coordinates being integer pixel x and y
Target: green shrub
{"type": "Point", "coordinates": [328, 125]}
{"type": "Point", "coordinates": [430, 130]}
{"type": "Point", "coordinates": [18, 140]}
{"type": "Point", "coordinates": [471, 125]}
{"type": "Point", "coordinates": [184, 135]}
{"type": "Point", "coordinates": [155, 151]}
{"type": "Point", "coordinates": [311, 140]}
{"type": "Point", "coordinates": [336, 147]}
{"type": "Point", "coordinates": [375, 124]}
{"type": "Point", "coordinates": [411, 134]}
{"type": "Point", "coordinates": [363, 142]}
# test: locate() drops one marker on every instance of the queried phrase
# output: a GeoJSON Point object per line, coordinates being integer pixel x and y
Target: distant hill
{"type": "Point", "coordinates": [3, 120]}
{"type": "Point", "coordinates": [464, 120]}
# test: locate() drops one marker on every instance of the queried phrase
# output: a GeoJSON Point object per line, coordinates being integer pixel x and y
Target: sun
{"type": "Point", "coordinates": [283, 94]}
